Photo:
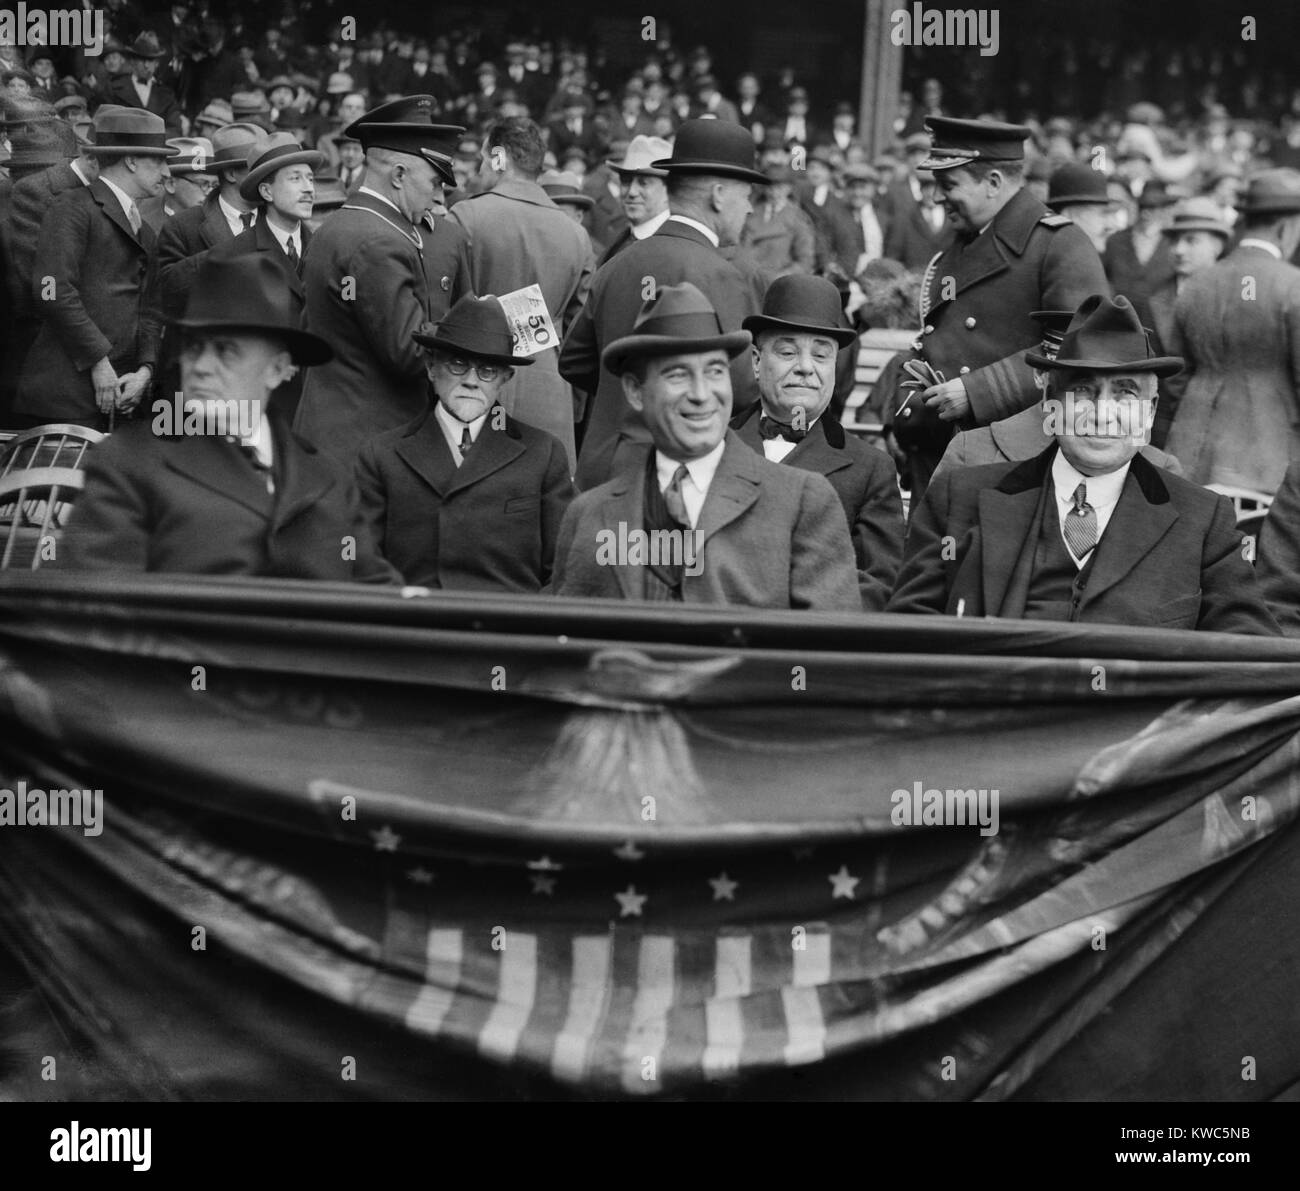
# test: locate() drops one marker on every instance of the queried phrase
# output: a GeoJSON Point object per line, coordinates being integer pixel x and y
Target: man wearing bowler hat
{"type": "Point", "coordinates": [1078, 192]}
{"type": "Point", "coordinates": [710, 175]}
{"type": "Point", "coordinates": [93, 279]}
{"type": "Point", "coordinates": [1088, 530]}
{"type": "Point", "coordinates": [367, 281]}
{"type": "Point", "coordinates": [216, 483]}
{"type": "Point", "coordinates": [644, 191]}
{"type": "Point", "coordinates": [140, 89]}
{"type": "Point", "coordinates": [796, 340]}
{"type": "Point", "coordinates": [1238, 325]}
{"type": "Point", "coordinates": [701, 518]}
{"type": "Point", "coordinates": [1012, 256]}
{"type": "Point", "coordinates": [466, 497]}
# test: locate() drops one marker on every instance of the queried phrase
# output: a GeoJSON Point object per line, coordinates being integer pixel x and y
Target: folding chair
{"type": "Point", "coordinates": [33, 506]}
{"type": "Point", "coordinates": [47, 446]}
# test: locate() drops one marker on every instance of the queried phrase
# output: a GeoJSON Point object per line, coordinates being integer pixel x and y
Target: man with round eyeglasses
{"type": "Point", "coordinates": [465, 497]}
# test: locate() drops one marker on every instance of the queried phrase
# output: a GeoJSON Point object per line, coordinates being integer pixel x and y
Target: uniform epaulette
{"type": "Point", "coordinates": [1054, 220]}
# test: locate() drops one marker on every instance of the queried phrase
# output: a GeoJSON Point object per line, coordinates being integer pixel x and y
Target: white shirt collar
{"type": "Point", "coordinates": [641, 230]}
{"type": "Point", "coordinates": [75, 166]}
{"type": "Point", "coordinates": [121, 196]}
{"type": "Point", "coordinates": [700, 474]}
{"type": "Point", "coordinates": [1103, 493]}
{"type": "Point", "coordinates": [452, 428]}
{"type": "Point", "coordinates": [1267, 245]}
{"type": "Point", "coordinates": [283, 238]}
{"type": "Point", "coordinates": [262, 442]}
{"type": "Point", "coordinates": [234, 216]}
{"type": "Point", "coordinates": [698, 226]}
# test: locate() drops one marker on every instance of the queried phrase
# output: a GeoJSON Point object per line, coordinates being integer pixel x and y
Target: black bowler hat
{"type": "Point", "coordinates": [802, 304]}
{"type": "Point", "coordinates": [678, 320]}
{"type": "Point", "coordinates": [1075, 182]}
{"type": "Point", "coordinates": [959, 142]}
{"type": "Point", "coordinates": [1105, 335]}
{"type": "Point", "coordinates": [712, 147]}
{"type": "Point", "coordinates": [473, 327]}
{"type": "Point", "coordinates": [248, 293]}
{"type": "Point", "coordinates": [1155, 194]}
{"type": "Point", "coordinates": [406, 126]}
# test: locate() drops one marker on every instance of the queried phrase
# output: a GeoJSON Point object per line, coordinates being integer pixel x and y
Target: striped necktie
{"type": "Point", "coordinates": [673, 497]}
{"type": "Point", "coordinates": [1081, 524]}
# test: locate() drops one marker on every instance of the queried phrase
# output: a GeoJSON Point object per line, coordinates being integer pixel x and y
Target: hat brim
{"type": "Point", "coordinates": [630, 347]}
{"type": "Point", "coordinates": [130, 150]}
{"type": "Point", "coordinates": [1079, 200]}
{"type": "Point", "coordinates": [1217, 229]}
{"type": "Point", "coordinates": [756, 323]}
{"type": "Point", "coordinates": [1280, 207]}
{"type": "Point", "coordinates": [439, 343]}
{"type": "Point", "coordinates": [305, 348]}
{"type": "Point", "coordinates": [585, 201]}
{"type": "Point", "coordinates": [256, 176]}
{"type": "Point", "coordinates": [945, 163]}
{"type": "Point", "coordinates": [134, 53]}
{"type": "Point", "coordinates": [1160, 365]}
{"type": "Point", "coordinates": [624, 171]}
{"type": "Point", "coordinates": [723, 169]}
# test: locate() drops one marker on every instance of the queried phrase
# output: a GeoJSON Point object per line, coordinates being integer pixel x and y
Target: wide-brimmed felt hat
{"type": "Point", "coordinates": [193, 155]}
{"type": "Point", "coordinates": [678, 320]}
{"type": "Point", "coordinates": [715, 147]}
{"type": "Point", "coordinates": [1106, 335]}
{"type": "Point", "coordinates": [145, 46]}
{"type": "Point", "coordinates": [1272, 192]}
{"type": "Point", "coordinates": [566, 188]}
{"type": "Point", "coordinates": [476, 328]}
{"type": "Point", "coordinates": [802, 304]}
{"type": "Point", "coordinates": [1075, 183]}
{"type": "Point", "coordinates": [276, 153]}
{"type": "Point", "coordinates": [406, 126]}
{"type": "Point", "coordinates": [1155, 194]}
{"type": "Point", "coordinates": [230, 145]}
{"type": "Point", "coordinates": [71, 103]}
{"type": "Point", "coordinates": [959, 142]}
{"type": "Point", "coordinates": [248, 293]}
{"type": "Point", "coordinates": [1200, 214]}
{"type": "Point", "coordinates": [129, 131]}
{"type": "Point", "coordinates": [218, 113]}
{"type": "Point", "coordinates": [641, 151]}
{"type": "Point", "coordinates": [251, 107]}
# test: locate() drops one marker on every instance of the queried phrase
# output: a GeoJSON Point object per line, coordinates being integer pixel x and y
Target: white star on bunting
{"type": "Point", "coordinates": [630, 902]}
{"type": "Point", "coordinates": [629, 851]}
{"type": "Point", "coordinates": [543, 884]}
{"type": "Point", "coordinates": [386, 839]}
{"type": "Point", "coordinates": [724, 888]}
{"type": "Point", "coordinates": [843, 883]}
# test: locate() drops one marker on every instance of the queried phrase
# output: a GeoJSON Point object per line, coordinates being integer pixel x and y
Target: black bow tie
{"type": "Point", "coordinates": [771, 428]}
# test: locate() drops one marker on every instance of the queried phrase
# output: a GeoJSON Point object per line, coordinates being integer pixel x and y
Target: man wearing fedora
{"type": "Point", "coordinates": [518, 237]}
{"type": "Point", "coordinates": [565, 191]}
{"type": "Point", "coordinates": [1026, 434]}
{"type": "Point", "coordinates": [1088, 530]}
{"type": "Point", "coordinates": [465, 496]}
{"type": "Point", "coordinates": [204, 491]}
{"type": "Point", "coordinates": [1137, 259]}
{"type": "Point", "coordinates": [738, 528]}
{"type": "Point", "coordinates": [1238, 325]}
{"type": "Point", "coordinates": [367, 281]}
{"type": "Point", "coordinates": [796, 340]}
{"type": "Point", "coordinates": [140, 89]}
{"type": "Point", "coordinates": [1011, 256]}
{"type": "Point", "coordinates": [187, 182]}
{"type": "Point", "coordinates": [643, 191]}
{"type": "Point", "coordinates": [93, 283]}
{"type": "Point", "coordinates": [710, 175]}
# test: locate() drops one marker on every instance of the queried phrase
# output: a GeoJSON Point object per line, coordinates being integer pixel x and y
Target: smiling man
{"type": "Point", "coordinates": [1089, 530]}
{"type": "Point", "coordinates": [465, 497]}
{"type": "Point", "coordinates": [725, 524]}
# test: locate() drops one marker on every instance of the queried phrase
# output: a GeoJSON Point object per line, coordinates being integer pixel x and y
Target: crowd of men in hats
{"type": "Point", "coordinates": [1084, 359]}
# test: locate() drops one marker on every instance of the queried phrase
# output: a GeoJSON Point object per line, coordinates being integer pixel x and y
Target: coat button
{"type": "Point", "coordinates": [970, 324]}
{"type": "Point", "coordinates": [907, 413]}
{"type": "Point", "coordinates": [916, 345]}
{"type": "Point", "coordinates": [965, 368]}
{"type": "Point", "coordinates": [928, 330]}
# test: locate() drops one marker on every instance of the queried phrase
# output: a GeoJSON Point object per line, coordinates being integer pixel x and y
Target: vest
{"type": "Point", "coordinates": [663, 582]}
{"type": "Point", "coordinates": [1055, 584]}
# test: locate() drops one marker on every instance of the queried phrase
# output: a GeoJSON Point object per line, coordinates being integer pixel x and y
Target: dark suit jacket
{"type": "Point", "coordinates": [376, 381]}
{"type": "Point", "coordinates": [488, 525]}
{"type": "Point", "coordinates": [607, 223]}
{"type": "Point", "coordinates": [103, 303]}
{"type": "Point", "coordinates": [909, 236]}
{"type": "Point", "coordinates": [162, 101]}
{"type": "Point", "coordinates": [675, 253]}
{"type": "Point", "coordinates": [833, 225]}
{"type": "Point", "coordinates": [1171, 556]}
{"type": "Point", "coordinates": [195, 505]}
{"type": "Point", "coordinates": [183, 245]}
{"type": "Point", "coordinates": [976, 321]}
{"type": "Point", "coordinates": [1278, 556]}
{"type": "Point", "coordinates": [866, 482]}
{"type": "Point", "coordinates": [772, 537]}
{"type": "Point", "coordinates": [29, 201]}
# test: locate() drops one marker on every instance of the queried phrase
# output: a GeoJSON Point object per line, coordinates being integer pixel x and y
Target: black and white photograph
{"type": "Point", "coordinates": [582, 552]}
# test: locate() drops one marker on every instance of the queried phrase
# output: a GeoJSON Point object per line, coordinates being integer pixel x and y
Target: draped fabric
{"type": "Point", "coordinates": [363, 844]}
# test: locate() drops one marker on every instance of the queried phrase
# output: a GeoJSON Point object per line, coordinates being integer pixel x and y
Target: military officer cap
{"type": "Point", "coordinates": [960, 142]}
{"type": "Point", "coordinates": [406, 126]}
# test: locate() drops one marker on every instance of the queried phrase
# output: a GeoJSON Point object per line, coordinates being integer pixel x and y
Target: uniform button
{"type": "Point", "coordinates": [928, 330]}
{"type": "Point", "coordinates": [965, 368]}
{"type": "Point", "coordinates": [907, 413]}
{"type": "Point", "coordinates": [970, 324]}
{"type": "Point", "coordinates": [916, 345]}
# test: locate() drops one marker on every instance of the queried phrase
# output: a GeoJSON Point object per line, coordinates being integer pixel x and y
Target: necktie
{"type": "Point", "coordinates": [771, 428]}
{"type": "Point", "coordinates": [1081, 524]}
{"type": "Point", "coordinates": [466, 441]}
{"type": "Point", "coordinates": [292, 253]}
{"type": "Point", "coordinates": [250, 453]}
{"type": "Point", "coordinates": [673, 497]}
{"type": "Point", "coordinates": [133, 217]}
{"type": "Point", "coordinates": [246, 219]}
